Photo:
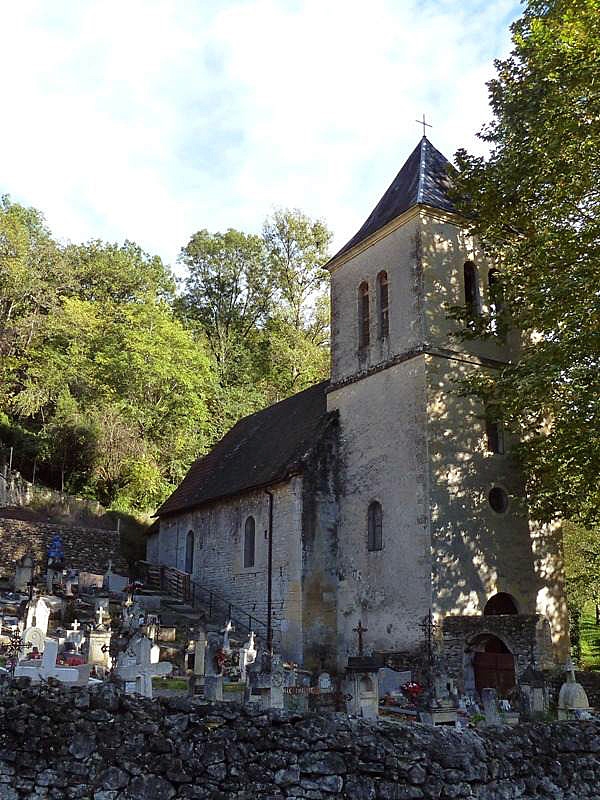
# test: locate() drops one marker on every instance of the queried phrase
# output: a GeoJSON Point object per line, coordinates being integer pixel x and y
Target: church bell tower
{"type": "Point", "coordinates": [432, 512]}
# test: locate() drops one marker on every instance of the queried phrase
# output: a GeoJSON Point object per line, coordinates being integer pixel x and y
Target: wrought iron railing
{"type": "Point", "coordinates": [180, 585]}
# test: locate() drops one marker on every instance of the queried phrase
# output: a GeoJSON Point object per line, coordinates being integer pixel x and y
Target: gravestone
{"type": "Point", "coordinates": [135, 669]}
{"type": "Point", "coordinates": [75, 635]}
{"type": "Point", "coordinates": [24, 573]}
{"type": "Point", "coordinates": [489, 700]}
{"type": "Point", "coordinates": [33, 638]}
{"type": "Point", "coordinates": [48, 668]}
{"type": "Point", "coordinates": [213, 688]}
{"type": "Point", "coordinates": [361, 686]}
{"type": "Point", "coordinates": [38, 614]}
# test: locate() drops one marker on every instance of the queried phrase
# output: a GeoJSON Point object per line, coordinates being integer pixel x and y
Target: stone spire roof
{"type": "Point", "coordinates": [423, 179]}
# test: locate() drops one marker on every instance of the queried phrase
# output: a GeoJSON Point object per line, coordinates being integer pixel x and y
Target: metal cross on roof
{"type": "Point", "coordinates": [423, 123]}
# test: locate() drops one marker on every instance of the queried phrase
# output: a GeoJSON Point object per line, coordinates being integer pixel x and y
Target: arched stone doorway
{"type": "Point", "coordinates": [501, 603]}
{"type": "Point", "coordinates": [491, 663]}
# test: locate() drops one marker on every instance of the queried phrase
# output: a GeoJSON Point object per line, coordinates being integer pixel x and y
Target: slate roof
{"type": "Point", "coordinates": [259, 450]}
{"type": "Point", "coordinates": [423, 179]}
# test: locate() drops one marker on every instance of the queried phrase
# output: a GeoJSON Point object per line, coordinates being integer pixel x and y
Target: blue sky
{"type": "Point", "coordinates": [149, 120]}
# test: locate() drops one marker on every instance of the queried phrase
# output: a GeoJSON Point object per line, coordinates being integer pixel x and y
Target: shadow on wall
{"type": "Point", "coordinates": [477, 551]}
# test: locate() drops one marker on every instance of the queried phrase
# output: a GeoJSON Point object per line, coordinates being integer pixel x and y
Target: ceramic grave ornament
{"type": "Point", "coordinates": [34, 639]}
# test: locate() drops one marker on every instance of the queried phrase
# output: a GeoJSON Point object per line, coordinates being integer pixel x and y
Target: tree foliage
{"type": "Point", "coordinates": [111, 384]}
{"type": "Point", "coordinates": [534, 203]}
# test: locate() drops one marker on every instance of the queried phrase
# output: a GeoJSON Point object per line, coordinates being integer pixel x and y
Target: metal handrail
{"type": "Point", "coordinates": [182, 585]}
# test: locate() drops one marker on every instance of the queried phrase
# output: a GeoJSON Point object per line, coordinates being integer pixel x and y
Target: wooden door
{"type": "Point", "coordinates": [494, 671]}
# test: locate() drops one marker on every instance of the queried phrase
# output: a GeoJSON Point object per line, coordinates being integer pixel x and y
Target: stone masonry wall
{"type": "Point", "coordinates": [86, 549]}
{"type": "Point", "coordinates": [98, 745]}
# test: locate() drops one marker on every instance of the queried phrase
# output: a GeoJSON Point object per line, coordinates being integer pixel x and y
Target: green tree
{"type": "Point", "coordinates": [534, 203]}
{"type": "Point", "coordinates": [228, 292]}
{"type": "Point", "coordinates": [582, 566]}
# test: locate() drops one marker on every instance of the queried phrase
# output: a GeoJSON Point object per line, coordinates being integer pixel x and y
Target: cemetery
{"type": "Point", "coordinates": [89, 707]}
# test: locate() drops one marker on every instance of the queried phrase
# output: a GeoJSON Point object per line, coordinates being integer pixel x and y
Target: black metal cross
{"type": "Point", "coordinates": [424, 124]}
{"type": "Point", "coordinates": [360, 630]}
{"type": "Point", "coordinates": [429, 626]}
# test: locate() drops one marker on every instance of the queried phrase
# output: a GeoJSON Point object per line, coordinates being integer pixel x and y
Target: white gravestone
{"type": "Point", "coordinates": [48, 668]}
{"type": "Point", "coordinates": [75, 635]}
{"type": "Point", "coordinates": [38, 614]}
{"type": "Point", "coordinates": [226, 631]}
{"type": "Point", "coordinates": [135, 668]}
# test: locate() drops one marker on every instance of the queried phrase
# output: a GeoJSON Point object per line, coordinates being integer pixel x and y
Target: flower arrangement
{"type": "Point", "coordinates": [412, 689]}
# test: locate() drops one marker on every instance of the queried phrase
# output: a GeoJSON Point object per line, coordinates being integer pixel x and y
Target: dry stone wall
{"type": "Point", "coordinates": [99, 745]}
{"type": "Point", "coordinates": [86, 549]}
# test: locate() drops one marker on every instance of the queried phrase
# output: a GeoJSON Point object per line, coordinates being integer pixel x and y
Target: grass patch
{"type": "Point", "coordinates": [175, 684]}
{"type": "Point", "coordinates": [590, 639]}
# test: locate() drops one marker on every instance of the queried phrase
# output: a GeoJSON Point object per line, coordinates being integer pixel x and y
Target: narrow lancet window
{"type": "Point", "coordinates": [495, 293]}
{"type": "Point", "coordinates": [472, 297]}
{"type": "Point", "coordinates": [189, 552]}
{"type": "Point", "coordinates": [249, 542]}
{"type": "Point", "coordinates": [375, 526]}
{"type": "Point", "coordinates": [363, 315]}
{"type": "Point", "coordinates": [495, 436]}
{"type": "Point", "coordinates": [384, 311]}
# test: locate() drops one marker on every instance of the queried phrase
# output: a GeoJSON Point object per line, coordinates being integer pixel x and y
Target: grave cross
{"type": "Point", "coordinates": [424, 124]}
{"type": "Point", "coordinates": [75, 625]}
{"type": "Point", "coordinates": [429, 627]}
{"type": "Point", "coordinates": [360, 630]}
{"type": "Point", "coordinates": [100, 613]}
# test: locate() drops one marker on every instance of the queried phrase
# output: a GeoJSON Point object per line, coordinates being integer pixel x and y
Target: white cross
{"type": "Point", "coordinates": [100, 613]}
{"type": "Point", "coordinates": [75, 625]}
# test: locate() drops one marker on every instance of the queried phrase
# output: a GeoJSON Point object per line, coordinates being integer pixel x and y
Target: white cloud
{"type": "Point", "coordinates": [151, 119]}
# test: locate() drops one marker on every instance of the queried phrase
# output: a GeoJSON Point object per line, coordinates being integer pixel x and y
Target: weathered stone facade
{"type": "Point", "coordinates": [99, 745]}
{"type": "Point", "coordinates": [408, 440]}
{"type": "Point", "coordinates": [87, 549]}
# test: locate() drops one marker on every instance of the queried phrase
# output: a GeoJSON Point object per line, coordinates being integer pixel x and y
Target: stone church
{"type": "Point", "coordinates": [383, 493]}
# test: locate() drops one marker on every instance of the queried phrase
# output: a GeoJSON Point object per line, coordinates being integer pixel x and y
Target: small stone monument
{"type": "Point", "coordinates": [213, 668]}
{"type": "Point", "coordinates": [134, 667]}
{"type": "Point", "coordinates": [99, 643]}
{"type": "Point", "coordinates": [24, 573]}
{"type": "Point", "coordinates": [534, 695]}
{"type": "Point", "coordinates": [75, 635]}
{"type": "Point", "coordinates": [573, 702]}
{"type": "Point", "coordinates": [33, 638]}
{"type": "Point", "coordinates": [489, 699]}
{"type": "Point", "coordinates": [38, 614]}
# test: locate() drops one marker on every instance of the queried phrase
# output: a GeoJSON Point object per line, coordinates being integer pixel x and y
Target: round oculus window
{"type": "Point", "coordinates": [498, 500]}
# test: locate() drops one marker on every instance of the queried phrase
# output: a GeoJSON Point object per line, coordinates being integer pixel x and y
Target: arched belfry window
{"type": "Point", "coordinates": [189, 552]}
{"type": "Point", "coordinates": [375, 526]}
{"type": "Point", "coordinates": [364, 321]}
{"type": "Point", "coordinates": [383, 303]}
{"type": "Point", "coordinates": [249, 542]}
{"type": "Point", "coordinates": [472, 296]}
